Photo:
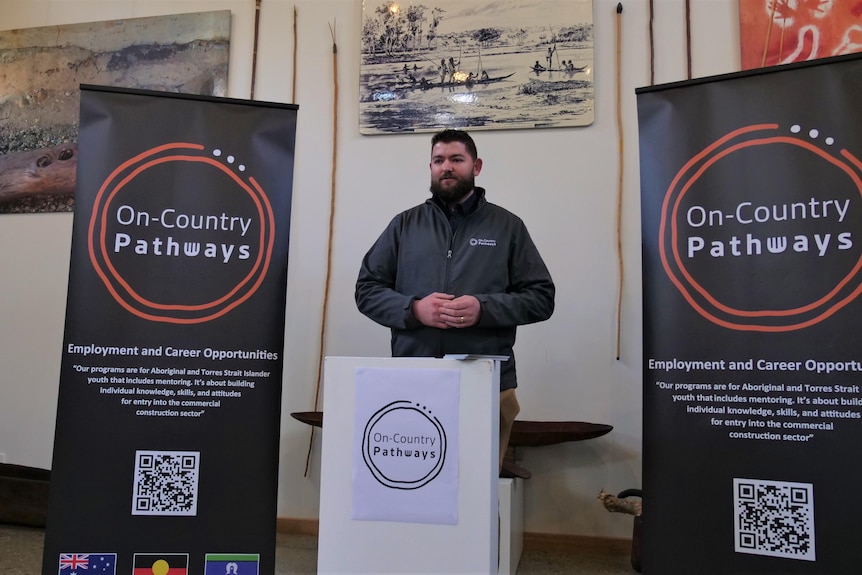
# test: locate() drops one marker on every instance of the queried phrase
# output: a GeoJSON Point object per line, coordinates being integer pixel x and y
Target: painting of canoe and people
{"type": "Point", "coordinates": [480, 64]}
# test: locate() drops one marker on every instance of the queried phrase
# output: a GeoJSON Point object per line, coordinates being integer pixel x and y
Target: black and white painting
{"type": "Point", "coordinates": [477, 64]}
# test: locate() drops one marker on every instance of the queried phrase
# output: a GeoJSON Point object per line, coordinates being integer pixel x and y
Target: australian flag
{"type": "Point", "coordinates": [78, 563]}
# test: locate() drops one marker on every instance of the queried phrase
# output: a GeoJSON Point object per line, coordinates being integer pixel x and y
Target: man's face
{"type": "Point", "coordinates": [453, 171]}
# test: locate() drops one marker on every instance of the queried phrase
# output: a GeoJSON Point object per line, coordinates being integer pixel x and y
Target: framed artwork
{"type": "Point", "coordinates": [477, 64]}
{"type": "Point", "coordinates": [782, 31]}
{"type": "Point", "coordinates": [43, 67]}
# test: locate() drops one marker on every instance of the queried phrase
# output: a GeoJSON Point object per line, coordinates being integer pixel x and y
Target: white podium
{"type": "Point", "coordinates": [409, 535]}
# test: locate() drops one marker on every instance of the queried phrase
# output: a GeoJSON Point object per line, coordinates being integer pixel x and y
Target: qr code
{"type": "Point", "coordinates": [166, 483]}
{"type": "Point", "coordinates": [774, 518]}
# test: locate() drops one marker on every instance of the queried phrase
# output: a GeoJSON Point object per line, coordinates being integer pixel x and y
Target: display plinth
{"type": "Point", "coordinates": [469, 544]}
{"type": "Point", "coordinates": [511, 493]}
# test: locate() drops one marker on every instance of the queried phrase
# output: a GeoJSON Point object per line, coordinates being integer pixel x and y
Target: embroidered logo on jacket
{"type": "Point", "coordinates": [482, 242]}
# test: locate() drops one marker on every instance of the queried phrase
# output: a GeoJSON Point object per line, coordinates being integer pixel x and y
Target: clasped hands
{"type": "Point", "coordinates": [446, 311]}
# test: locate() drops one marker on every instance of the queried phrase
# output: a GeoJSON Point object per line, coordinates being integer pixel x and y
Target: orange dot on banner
{"type": "Point", "coordinates": [161, 567]}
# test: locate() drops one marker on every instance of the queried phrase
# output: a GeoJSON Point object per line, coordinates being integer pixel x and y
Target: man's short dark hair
{"type": "Point", "coordinates": [447, 136]}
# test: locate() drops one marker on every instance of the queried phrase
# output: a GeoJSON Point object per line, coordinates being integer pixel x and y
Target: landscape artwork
{"type": "Point", "coordinates": [475, 64]}
{"type": "Point", "coordinates": [42, 69]}
{"type": "Point", "coordinates": [776, 32]}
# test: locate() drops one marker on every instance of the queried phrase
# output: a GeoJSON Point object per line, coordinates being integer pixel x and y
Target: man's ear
{"type": "Point", "coordinates": [477, 166]}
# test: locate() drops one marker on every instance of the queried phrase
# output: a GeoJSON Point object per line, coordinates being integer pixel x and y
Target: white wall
{"type": "Point", "coordinates": [567, 366]}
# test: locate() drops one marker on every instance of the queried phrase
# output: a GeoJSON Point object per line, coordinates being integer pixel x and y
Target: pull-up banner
{"type": "Point", "coordinates": [752, 251]}
{"type": "Point", "coordinates": [166, 444]}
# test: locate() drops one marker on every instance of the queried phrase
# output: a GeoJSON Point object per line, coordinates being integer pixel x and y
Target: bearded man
{"type": "Point", "coordinates": [457, 274]}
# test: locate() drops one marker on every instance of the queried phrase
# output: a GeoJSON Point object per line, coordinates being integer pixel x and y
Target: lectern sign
{"type": "Point", "coordinates": [406, 455]}
{"type": "Point", "coordinates": [403, 446]}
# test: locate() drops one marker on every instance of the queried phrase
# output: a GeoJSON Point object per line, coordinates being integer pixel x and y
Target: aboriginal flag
{"type": "Point", "coordinates": [160, 564]}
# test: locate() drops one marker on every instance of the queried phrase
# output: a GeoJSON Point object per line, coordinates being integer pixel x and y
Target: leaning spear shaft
{"type": "Point", "coordinates": [329, 248]}
{"type": "Point", "coordinates": [293, 88]}
{"type": "Point", "coordinates": [651, 43]}
{"type": "Point", "coordinates": [688, 35]}
{"type": "Point", "coordinates": [254, 49]}
{"type": "Point", "coordinates": [620, 175]}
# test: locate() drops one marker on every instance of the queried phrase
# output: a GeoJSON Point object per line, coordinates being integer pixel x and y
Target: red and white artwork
{"type": "Point", "coordinates": [776, 32]}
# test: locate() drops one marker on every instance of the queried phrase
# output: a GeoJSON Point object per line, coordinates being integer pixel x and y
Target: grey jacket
{"type": "Point", "coordinates": [491, 256]}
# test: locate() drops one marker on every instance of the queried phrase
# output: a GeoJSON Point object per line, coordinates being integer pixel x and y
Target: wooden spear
{"type": "Point", "coordinates": [295, 36]}
{"type": "Point", "coordinates": [329, 243]}
{"type": "Point", "coordinates": [254, 49]}
{"type": "Point", "coordinates": [651, 43]}
{"type": "Point", "coordinates": [768, 35]}
{"type": "Point", "coordinates": [688, 35]}
{"type": "Point", "coordinates": [620, 175]}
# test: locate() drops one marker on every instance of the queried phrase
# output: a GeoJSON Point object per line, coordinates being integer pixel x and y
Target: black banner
{"type": "Point", "coordinates": [166, 444]}
{"type": "Point", "coordinates": [752, 248]}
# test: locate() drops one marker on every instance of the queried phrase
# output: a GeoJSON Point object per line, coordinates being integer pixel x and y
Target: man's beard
{"type": "Point", "coordinates": [454, 194]}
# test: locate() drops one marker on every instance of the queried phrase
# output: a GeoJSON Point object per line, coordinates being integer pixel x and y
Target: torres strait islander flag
{"type": "Point", "coordinates": [233, 563]}
{"type": "Point", "coordinates": [160, 564]}
{"type": "Point", "coordinates": [77, 563]}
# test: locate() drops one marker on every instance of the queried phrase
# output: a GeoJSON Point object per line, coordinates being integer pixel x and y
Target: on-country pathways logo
{"type": "Point", "coordinates": [760, 230]}
{"type": "Point", "coordinates": [180, 234]}
{"type": "Point", "coordinates": [404, 445]}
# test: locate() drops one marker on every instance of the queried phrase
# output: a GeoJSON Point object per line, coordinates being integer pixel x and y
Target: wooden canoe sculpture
{"type": "Point", "coordinates": [524, 434]}
{"type": "Point", "coordinates": [47, 171]}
